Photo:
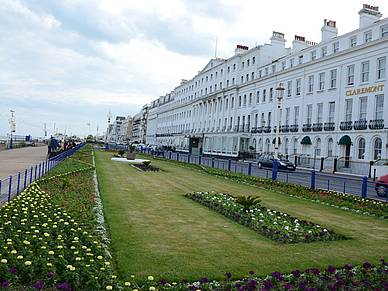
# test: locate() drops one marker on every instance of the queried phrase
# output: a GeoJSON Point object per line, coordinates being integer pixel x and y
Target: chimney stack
{"type": "Point", "coordinates": [368, 15]}
{"type": "Point", "coordinates": [329, 30]}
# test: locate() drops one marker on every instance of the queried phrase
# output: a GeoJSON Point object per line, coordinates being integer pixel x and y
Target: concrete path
{"type": "Point", "coordinates": [14, 161]}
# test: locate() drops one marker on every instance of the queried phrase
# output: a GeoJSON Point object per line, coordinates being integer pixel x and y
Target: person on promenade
{"type": "Point", "coordinates": [49, 147]}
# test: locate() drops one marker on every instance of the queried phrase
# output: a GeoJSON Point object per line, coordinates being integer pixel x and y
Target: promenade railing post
{"type": "Point", "coordinates": [25, 179]}
{"type": "Point", "coordinates": [199, 159]}
{"type": "Point", "coordinates": [250, 168]}
{"type": "Point", "coordinates": [313, 179]}
{"type": "Point", "coordinates": [188, 158]}
{"type": "Point", "coordinates": [212, 162]}
{"type": "Point", "coordinates": [9, 188]}
{"type": "Point", "coordinates": [177, 156]}
{"type": "Point", "coordinates": [364, 186]}
{"type": "Point", "coordinates": [31, 175]}
{"type": "Point", "coordinates": [17, 194]}
{"type": "Point", "coordinates": [170, 153]}
{"type": "Point", "coordinates": [229, 165]}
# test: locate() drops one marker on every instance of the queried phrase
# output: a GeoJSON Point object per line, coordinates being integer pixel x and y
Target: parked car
{"type": "Point", "coordinates": [266, 161]}
{"type": "Point", "coordinates": [381, 186]}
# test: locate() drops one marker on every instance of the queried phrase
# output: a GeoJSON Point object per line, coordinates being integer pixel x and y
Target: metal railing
{"type": "Point", "coordinates": [11, 187]}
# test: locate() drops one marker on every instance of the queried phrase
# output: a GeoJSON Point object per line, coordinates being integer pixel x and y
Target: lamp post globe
{"type": "Point", "coordinates": [279, 92]}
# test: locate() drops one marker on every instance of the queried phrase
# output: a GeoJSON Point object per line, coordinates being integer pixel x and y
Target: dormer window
{"type": "Point", "coordinates": [353, 41]}
{"type": "Point", "coordinates": [336, 47]}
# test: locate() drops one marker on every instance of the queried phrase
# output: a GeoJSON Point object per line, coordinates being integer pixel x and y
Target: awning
{"type": "Point", "coordinates": [345, 140]}
{"type": "Point", "coordinates": [273, 141]}
{"type": "Point", "coordinates": [306, 140]}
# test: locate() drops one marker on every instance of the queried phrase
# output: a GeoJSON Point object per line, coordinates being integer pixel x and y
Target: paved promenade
{"type": "Point", "coordinates": [16, 160]}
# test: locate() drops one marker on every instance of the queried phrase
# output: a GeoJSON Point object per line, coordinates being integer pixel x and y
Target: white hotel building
{"type": "Point", "coordinates": [333, 102]}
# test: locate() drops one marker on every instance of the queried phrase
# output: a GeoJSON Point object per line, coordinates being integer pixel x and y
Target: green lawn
{"type": "Point", "coordinates": [156, 231]}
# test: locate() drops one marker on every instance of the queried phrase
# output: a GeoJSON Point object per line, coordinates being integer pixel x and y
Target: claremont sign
{"type": "Point", "coordinates": [364, 90]}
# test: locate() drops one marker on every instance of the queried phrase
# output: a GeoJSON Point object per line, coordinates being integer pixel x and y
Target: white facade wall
{"type": "Point", "coordinates": [223, 106]}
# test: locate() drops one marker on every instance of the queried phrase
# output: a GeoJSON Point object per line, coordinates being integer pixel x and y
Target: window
{"type": "Point", "coordinates": [247, 78]}
{"type": "Point", "coordinates": [363, 107]}
{"type": "Point", "coordinates": [253, 75]}
{"type": "Point", "coordinates": [296, 115]}
{"type": "Point", "coordinates": [232, 103]}
{"type": "Point", "coordinates": [269, 118]}
{"type": "Point", "coordinates": [253, 60]}
{"type": "Point", "coordinates": [239, 101]}
{"type": "Point", "coordinates": [233, 81]}
{"type": "Point", "coordinates": [350, 75]}
{"type": "Point", "coordinates": [311, 84]}
{"type": "Point", "coordinates": [260, 74]}
{"type": "Point", "coordinates": [242, 79]}
{"type": "Point", "coordinates": [324, 51]}
{"type": "Point", "coordinates": [331, 112]}
{"type": "Point", "coordinates": [286, 146]}
{"type": "Point", "coordinates": [322, 81]}
{"type": "Point", "coordinates": [264, 94]}
{"type": "Point", "coordinates": [384, 31]}
{"type": "Point", "coordinates": [245, 100]}
{"type": "Point", "coordinates": [300, 60]}
{"type": "Point", "coordinates": [318, 147]}
{"type": "Point", "coordinates": [247, 63]}
{"type": "Point", "coordinates": [291, 63]}
{"type": "Point", "coordinates": [283, 65]}
{"type": "Point", "coordinates": [309, 113]}
{"type": "Point", "coordinates": [365, 72]}
{"type": "Point", "coordinates": [222, 72]}
{"type": "Point", "coordinates": [330, 147]}
{"type": "Point", "coordinates": [348, 109]}
{"type": "Point", "coordinates": [270, 94]}
{"type": "Point", "coordinates": [207, 79]}
{"type": "Point", "coordinates": [228, 70]}
{"type": "Point", "coordinates": [273, 69]}
{"type": "Point", "coordinates": [361, 149]}
{"type": "Point", "coordinates": [381, 68]}
{"type": "Point", "coordinates": [227, 83]}
{"type": "Point", "coordinates": [336, 47]}
{"type": "Point", "coordinates": [313, 55]}
{"type": "Point", "coordinates": [257, 96]}
{"type": "Point", "coordinates": [250, 99]}
{"type": "Point", "coordinates": [319, 112]}
{"type": "Point", "coordinates": [298, 85]}
{"type": "Point", "coordinates": [379, 107]}
{"type": "Point", "coordinates": [353, 41]}
{"type": "Point", "coordinates": [242, 65]}
{"type": "Point", "coordinates": [226, 104]}
{"type": "Point", "coordinates": [266, 71]}
{"type": "Point", "coordinates": [368, 36]}
{"type": "Point", "coordinates": [377, 148]}
{"type": "Point", "coordinates": [333, 79]}
{"type": "Point", "coordinates": [289, 88]}
{"type": "Point", "coordinates": [288, 116]}
{"type": "Point", "coordinates": [295, 146]}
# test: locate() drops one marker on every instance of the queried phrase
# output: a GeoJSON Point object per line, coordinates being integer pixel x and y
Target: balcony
{"type": "Point", "coordinates": [360, 124]}
{"type": "Point", "coordinates": [376, 124]}
{"type": "Point", "coordinates": [346, 125]}
{"type": "Point", "coordinates": [267, 129]}
{"type": "Point", "coordinates": [285, 128]}
{"type": "Point", "coordinates": [294, 128]}
{"type": "Point", "coordinates": [317, 126]}
{"type": "Point", "coordinates": [306, 127]}
{"type": "Point", "coordinates": [329, 126]}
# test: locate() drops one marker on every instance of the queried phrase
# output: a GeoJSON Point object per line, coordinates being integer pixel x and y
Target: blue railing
{"type": "Point", "coordinates": [361, 187]}
{"type": "Point", "coordinates": [11, 187]}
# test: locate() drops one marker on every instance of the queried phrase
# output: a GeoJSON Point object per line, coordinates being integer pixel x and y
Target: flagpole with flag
{"type": "Point", "coordinates": [88, 125]}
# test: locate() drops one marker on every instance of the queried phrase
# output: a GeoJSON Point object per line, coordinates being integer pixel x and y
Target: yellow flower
{"type": "Point", "coordinates": [13, 252]}
{"type": "Point", "coordinates": [109, 287]}
{"type": "Point", "coordinates": [4, 261]}
{"type": "Point", "coordinates": [152, 288]}
{"type": "Point", "coordinates": [127, 284]}
{"type": "Point", "coordinates": [27, 263]}
{"type": "Point", "coordinates": [150, 278]}
{"type": "Point", "coordinates": [114, 277]}
{"type": "Point", "coordinates": [20, 257]}
{"type": "Point", "coordinates": [107, 263]}
{"type": "Point", "coordinates": [51, 252]}
{"type": "Point", "coordinates": [99, 257]}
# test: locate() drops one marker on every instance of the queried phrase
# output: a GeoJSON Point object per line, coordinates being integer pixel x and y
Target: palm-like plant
{"type": "Point", "coordinates": [247, 201]}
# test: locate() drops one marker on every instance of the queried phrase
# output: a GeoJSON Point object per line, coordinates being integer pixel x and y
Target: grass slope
{"type": "Point", "coordinates": [156, 231]}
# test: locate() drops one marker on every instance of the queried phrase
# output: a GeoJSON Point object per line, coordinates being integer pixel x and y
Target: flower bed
{"type": "Point", "coordinates": [145, 168]}
{"type": "Point", "coordinates": [277, 226]}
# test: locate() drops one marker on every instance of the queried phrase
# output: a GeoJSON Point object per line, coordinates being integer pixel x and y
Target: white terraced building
{"type": "Point", "coordinates": [333, 102]}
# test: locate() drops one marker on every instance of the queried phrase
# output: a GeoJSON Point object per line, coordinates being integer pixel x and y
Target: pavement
{"type": "Point", "coordinates": [13, 161]}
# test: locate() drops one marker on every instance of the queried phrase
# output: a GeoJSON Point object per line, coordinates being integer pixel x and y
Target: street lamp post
{"type": "Point", "coordinates": [262, 136]}
{"type": "Point", "coordinates": [280, 92]}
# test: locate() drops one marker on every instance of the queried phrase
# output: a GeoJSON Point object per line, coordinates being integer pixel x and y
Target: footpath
{"type": "Point", "coordinates": [14, 161]}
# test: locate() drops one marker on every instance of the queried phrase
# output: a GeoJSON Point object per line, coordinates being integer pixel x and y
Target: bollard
{"type": "Point", "coordinates": [250, 168]}
{"type": "Point", "coordinates": [364, 186]}
{"type": "Point", "coordinates": [313, 179]}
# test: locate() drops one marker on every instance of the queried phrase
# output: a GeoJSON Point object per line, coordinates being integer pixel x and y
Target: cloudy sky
{"type": "Point", "coordinates": [67, 63]}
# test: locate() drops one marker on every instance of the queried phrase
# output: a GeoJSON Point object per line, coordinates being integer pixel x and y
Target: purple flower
{"type": "Point", "coordinates": [4, 284]}
{"type": "Point", "coordinates": [347, 267]}
{"type": "Point", "coordinates": [296, 273]}
{"type": "Point", "coordinates": [331, 269]}
{"type": "Point", "coordinates": [251, 272]}
{"type": "Point", "coordinates": [13, 270]}
{"type": "Point", "coordinates": [287, 286]}
{"type": "Point", "coordinates": [184, 281]}
{"type": "Point", "coordinates": [367, 265]}
{"type": "Point", "coordinates": [65, 287]}
{"type": "Point", "coordinates": [50, 274]}
{"type": "Point", "coordinates": [163, 282]}
{"type": "Point", "coordinates": [39, 285]}
{"type": "Point", "coordinates": [238, 285]}
{"type": "Point", "coordinates": [229, 275]}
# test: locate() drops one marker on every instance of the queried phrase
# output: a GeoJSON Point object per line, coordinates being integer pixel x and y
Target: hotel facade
{"type": "Point", "coordinates": [333, 103]}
